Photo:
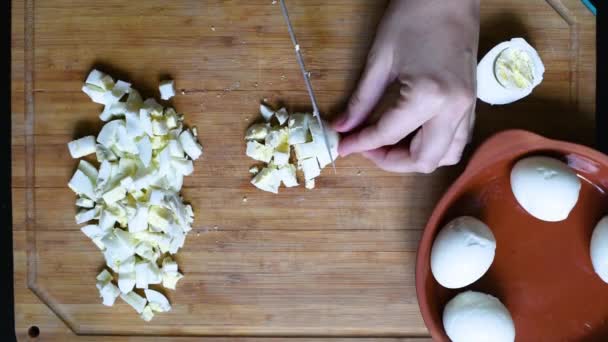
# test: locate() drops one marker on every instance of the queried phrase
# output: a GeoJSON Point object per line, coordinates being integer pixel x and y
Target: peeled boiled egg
{"type": "Point", "coordinates": [599, 249]}
{"type": "Point", "coordinates": [545, 187]}
{"type": "Point", "coordinates": [509, 72]}
{"type": "Point", "coordinates": [462, 252]}
{"type": "Point", "coordinates": [477, 317]}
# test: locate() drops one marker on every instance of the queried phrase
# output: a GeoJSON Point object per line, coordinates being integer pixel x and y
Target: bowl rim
{"type": "Point", "coordinates": [491, 151]}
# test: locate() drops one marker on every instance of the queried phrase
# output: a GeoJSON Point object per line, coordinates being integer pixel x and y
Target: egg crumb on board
{"type": "Point", "coordinates": [131, 201]}
{"type": "Point", "coordinates": [509, 72]}
{"type": "Point", "coordinates": [286, 143]}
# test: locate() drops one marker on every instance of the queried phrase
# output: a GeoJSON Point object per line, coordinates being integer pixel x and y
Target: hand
{"type": "Point", "coordinates": [430, 48]}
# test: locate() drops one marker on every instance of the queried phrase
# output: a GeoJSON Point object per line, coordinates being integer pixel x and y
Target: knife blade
{"type": "Point", "coordinates": [306, 76]}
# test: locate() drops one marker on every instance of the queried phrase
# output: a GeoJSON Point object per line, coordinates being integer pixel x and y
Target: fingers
{"type": "Point", "coordinates": [398, 122]}
{"type": "Point", "coordinates": [435, 139]}
{"type": "Point", "coordinates": [392, 159]}
{"type": "Point", "coordinates": [461, 139]}
{"type": "Point", "coordinates": [427, 149]}
{"type": "Point", "coordinates": [374, 81]}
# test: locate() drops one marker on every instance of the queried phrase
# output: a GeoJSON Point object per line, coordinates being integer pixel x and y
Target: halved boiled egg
{"type": "Point", "coordinates": [509, 72]}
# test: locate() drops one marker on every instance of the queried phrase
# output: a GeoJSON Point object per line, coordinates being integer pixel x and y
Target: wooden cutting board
{"type": "Point", "coordinates": [335, 261]}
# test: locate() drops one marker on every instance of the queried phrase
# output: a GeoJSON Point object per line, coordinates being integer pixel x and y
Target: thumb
{"type": "Point", "coordinates": [373, 82]}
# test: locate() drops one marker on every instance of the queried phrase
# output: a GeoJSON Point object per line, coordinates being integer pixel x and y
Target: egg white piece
{"type": "Point", "coordinates": [599, 249]}
{"type": "Point", "coordinates": [477, 317]}
{"type": "Point", "coordinates": [462, 252]}
{"type": "Point", "coordinates": [494, 87]}
{"type": "Point", "coordinates": [545, 187]}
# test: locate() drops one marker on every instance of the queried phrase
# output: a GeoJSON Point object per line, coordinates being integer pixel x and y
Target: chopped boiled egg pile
{"type": "Point", "coordinates": [273, 141]}
{"type": "Point", "coordinates": [131, 202]}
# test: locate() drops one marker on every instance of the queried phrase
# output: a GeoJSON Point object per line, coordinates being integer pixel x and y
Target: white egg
{"type": "Point", "coordinates": [599, 249]}
{"type": "Point", "coordinates": [545, 187]}
{"type": "Point", "coordinates": [509, 72]}
{"type": "Point", "coordinates": [462, 252]}
{"type": "Point", "coordinates": [477, 317]}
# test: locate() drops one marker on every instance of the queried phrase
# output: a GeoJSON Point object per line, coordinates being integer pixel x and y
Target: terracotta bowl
{"type": "Point", "coordinates": [542, 271]}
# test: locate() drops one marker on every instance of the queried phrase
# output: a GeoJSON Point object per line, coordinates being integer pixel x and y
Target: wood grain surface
{"type": "Point", "coordinates": [337, 261]}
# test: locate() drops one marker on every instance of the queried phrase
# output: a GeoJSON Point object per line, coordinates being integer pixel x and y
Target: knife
{"type": "Point", "coordinates": [306, 76]}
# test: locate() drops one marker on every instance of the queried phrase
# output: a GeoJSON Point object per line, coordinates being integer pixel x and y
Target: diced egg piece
{"type": "Point", "coordinates": [104, 276]}
{"type": "Point", "coordinates": [268, 180]}
{"type": "Point", "coordinates": [298, 128]}
{"type": "Point", "coordinates": [89, 170]}
{"type": "Point", "coordinates": [82, 147]}
{"type": "Point", "coordinates": [134, 128]}
{"type": "Point", "coordinates": [309, 184]}
{"type": "Point", "coordinates": [139, 222]}
{"type": "Point", "coordinates": [109, 292]}
{"type": "Point", "coordinates": [153, 107]}
{"type": "Point", "coordinates": [169, 265]}
{"type": "Point", "coordinates": [280, 158]}
{"type": "Point", "coordinates": [116, 194]}
{"type": "Point", "coordinates": [266, 112]}
{"type": "Point", "coordinates": [278, 139]}
{"type": "Point", "coordinates": [126, 143]}
{"type": "Point", "coordinates": [85, 203]}
{"type": "Point", "coordinates": [116, 247]}
{"type": "Point", "coordinates": [170, 279]}
{"type": "Point", "coordinates": [259, 152]}
{"type": "Point", "coordinates": [192, 148]}
{"type": "Point", "coordinates": [157, 301]}
{"type": "Point", "coordinates": [136, 301]}
{"type": "Point", "coordinates": [113, 110]}
{"type": "Point", "coordinates": [107, 219]}
{"type": "Point", "coordinates": [86, 215]}
{"type": "Point", "coordinates": [167, 89]}
{"type": "Point", "coordinates": [95, 93]}
{"type": "Point", "coordinates": [99, 79]}
{"type": "Point", "coordinates": [147, 314]}
{"type": "Point", "coordinates": [159, 127]}
{"type": "Point", "coordinates": [257, 132]}
{"type": "Point", "coordinates": [144, 147]}
{"type": "Point", "coordinates": [107, 135]}
{"type": "Point", "coordinates": [333, 139]}
{"type": "Point", "coordinates": [102, 153]}
{"type": "Point", "coordinates": [310, 167]}
{"type": "Point", "coordinates": [509, 72]}
{"type": "Point", "coordinates": [159, 217]}
{"type": "Point", "coordinates": [308, 150]}
{"type": "Point", "coordinates": [126, 281]}
{"type": "Point", "coordinates": [81, 184]}
{"type": "Point", "coordinates": [175, 149]}
{"type": "Point", "coordinates": [282, 116]}
{"type": "Point", "coordinates": [127, 265]}
{"type": "Point", "coordinates": [287, 174]}
{"type": "Point", "coordinates": [120, 89]}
